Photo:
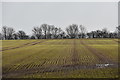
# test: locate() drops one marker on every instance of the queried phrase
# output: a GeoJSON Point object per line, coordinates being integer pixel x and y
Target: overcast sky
{"type": "Point", "coordinates": [93, 15]}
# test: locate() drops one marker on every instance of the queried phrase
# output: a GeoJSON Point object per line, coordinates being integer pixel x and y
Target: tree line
{"type": "Point", "coordinates": [46, 31]}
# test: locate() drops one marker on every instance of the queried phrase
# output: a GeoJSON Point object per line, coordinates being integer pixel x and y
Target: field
{"type": "Point", "coordinates": [60, 58]}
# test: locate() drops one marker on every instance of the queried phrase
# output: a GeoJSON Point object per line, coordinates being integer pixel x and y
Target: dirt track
{"type": "Point", "coordinates": [75, 58]}
{"type": "Point", "coordinates": [24, 45]}
{"type": "Point", "coordinates": [102, 58]}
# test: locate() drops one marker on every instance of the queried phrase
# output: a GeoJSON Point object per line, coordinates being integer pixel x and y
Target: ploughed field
{"type": "Point", "coordinates": [60, 58]}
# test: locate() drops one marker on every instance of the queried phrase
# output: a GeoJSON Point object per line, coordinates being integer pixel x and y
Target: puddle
{"type": "Point", "coordinates": [103, 65]}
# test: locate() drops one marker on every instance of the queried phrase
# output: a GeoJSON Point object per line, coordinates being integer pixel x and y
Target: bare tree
{"type": "Point", "coordinates": [113, 35]}
{"type": "Point", "coordinates": [37, 32]}
{"type": "Point", "coordinates": [99, 34]}
{"type": "Point", "coordinates": [60, 33]}
{"type": "Point", "coordinates": [72, 31]}
{"type": "Point", "coordinates": [82, 31]}
{"type": "Point", "coordinates": [91, 34]}
{"type": "Point", "coordinates": [49, 27]}
{"type": "Point", "coordinates": [105, 33]}
{"type": "Point", "coordinates": [55, 32]}
{"type": "Point", "coordinates": [44, 27]}
{"type": "Point", "coordinates": [15, 36]}
{"type": "Point", "coordinates": [7, 32]}
{"type": "Point", "coordinates": [10, 32]}
{"type": "Point", "coordinates": [4, 32]}
{"type": "Point", "coordinates": [52, 30]}
{"type": "Point", "coordinates": [1, 37]}
{"type": "Point", "coordinates": [118, 31]}
{"type": "Point", "coordinates": [22, 34]}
